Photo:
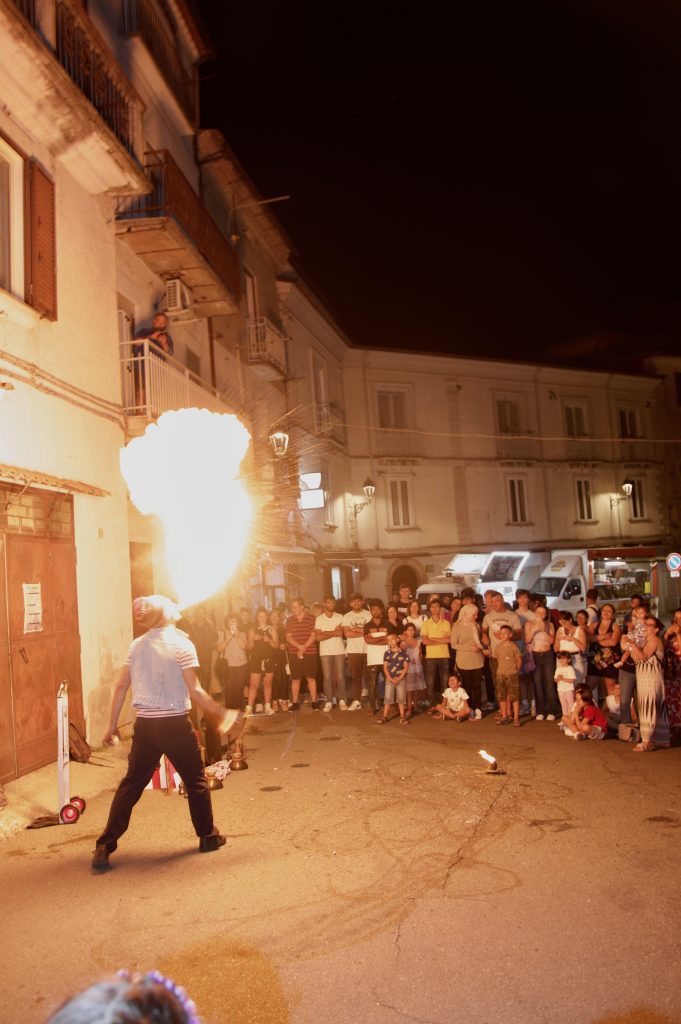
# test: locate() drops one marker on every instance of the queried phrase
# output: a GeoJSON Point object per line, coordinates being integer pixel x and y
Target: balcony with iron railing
{"type": "Point", "coordinates": [27, 8]}
{"type": "Point", "coordinates": [168, 228]}
{"type": "Point", "coordinates": [82, 78]}
{"type": "Point", "coordinates": [153, 382]}
{"type": "Point", "coordinates": [266, 347]}
{"type": "Point", "coordinates": [510, 446]}
{"type": "Point", "coordinates": [328, 421]}
{"type": "Point", "coordinates": [397, 442]}
{"type": "Point", "coordinates": [145, 19]}
{"type": "Point", "coordinates": [88, 62]}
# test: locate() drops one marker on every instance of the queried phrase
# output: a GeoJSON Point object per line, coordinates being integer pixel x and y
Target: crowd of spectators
{"type": "Point", "coordinates": [461, 658]}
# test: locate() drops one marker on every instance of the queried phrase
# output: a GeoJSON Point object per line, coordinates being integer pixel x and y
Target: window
{"type": "Point", "coordinates": [629, 425]}
{"type": "Point", "coordinates": [575, 420]}
{"type": "Point", "coordinates": [193, 362]}
{"type": "Point", "coordinates": [27, 232]}
{"type": "Point", "coordinates": [637, 500]}
{"type": "Point", "coordinates": [11, 220]}
{"type": "Point", "coordinates": [517, 504]}
{"type": "Point", "coordinates": [251, 293]}
{"type": "Point", "coordinates": [392, 410]}
{"type": "Point", "coordinates": [508, 416]}
{"type": "Point", "coordinates": [400, 508]}
{"type": "Point", "coordinates": [584, 500]}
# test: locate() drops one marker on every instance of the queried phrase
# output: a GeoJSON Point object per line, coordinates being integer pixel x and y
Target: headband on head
{"type": "Point", "coordinates": [154, 610]}
{"type": "Point", "coordinates": [157, 978]}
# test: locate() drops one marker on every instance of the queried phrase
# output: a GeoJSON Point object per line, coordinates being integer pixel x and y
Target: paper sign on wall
{"type": "Point", "coordinates": [33, 608]}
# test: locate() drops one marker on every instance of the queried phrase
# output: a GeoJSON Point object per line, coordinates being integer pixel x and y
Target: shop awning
{"type": "Point", "coordinates": [287, 556]}
{"type": "Point", "coordinates": [35, 478]}
{"type": "Point", "coordinates": [633, 554]}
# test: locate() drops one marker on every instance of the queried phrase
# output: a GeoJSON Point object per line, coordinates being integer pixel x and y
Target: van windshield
{"type": "Point", "coordinates": [549, 586]}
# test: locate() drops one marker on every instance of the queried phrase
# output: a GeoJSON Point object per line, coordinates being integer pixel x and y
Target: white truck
{"type": "Point", "coordinates": [615, 574]}
{"type": "Point", "coordinates": [505, 571]}
{"type": "Point", "coordinates": [564, 581]}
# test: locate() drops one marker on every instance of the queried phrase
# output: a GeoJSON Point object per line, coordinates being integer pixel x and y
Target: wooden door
{"type": "Point", "coordinates": [7, 759]}
{"type": "Point", "coordinates": [40, 659]}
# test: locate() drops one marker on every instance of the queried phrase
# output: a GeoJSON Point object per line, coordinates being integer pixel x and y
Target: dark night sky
{"type": "Point", "coordinates": [495, 181]}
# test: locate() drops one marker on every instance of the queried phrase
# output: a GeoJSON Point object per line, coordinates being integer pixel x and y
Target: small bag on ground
{"type": "Point", "coordinates": [79, 748]}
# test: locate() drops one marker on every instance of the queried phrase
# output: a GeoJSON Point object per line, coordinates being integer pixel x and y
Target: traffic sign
{"type": "Point", "coordinates": [674, 561]}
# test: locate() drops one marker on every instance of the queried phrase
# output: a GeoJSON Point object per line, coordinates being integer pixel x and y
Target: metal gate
{"type": "Point", "coordinates": [39, 634]}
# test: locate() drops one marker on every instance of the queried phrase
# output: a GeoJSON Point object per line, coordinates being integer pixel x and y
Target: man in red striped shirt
{"type": "Point", "coordinates": [302, 652]}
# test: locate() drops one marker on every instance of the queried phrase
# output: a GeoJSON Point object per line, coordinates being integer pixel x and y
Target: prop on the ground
{"type": "Point", "coordinates": [70, 808]}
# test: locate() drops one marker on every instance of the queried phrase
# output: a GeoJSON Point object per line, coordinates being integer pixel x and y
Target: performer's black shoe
{"type": "Point", "coordinates": [100, 858]}
{"type": "Point", "coordinates": [212, 842]}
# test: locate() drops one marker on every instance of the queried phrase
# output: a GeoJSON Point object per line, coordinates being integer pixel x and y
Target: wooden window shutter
{"type": "Point", "coordinates": [42, 255]}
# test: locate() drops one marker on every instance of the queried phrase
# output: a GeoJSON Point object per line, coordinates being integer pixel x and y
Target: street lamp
{"type": "Point", "coordinates": [627, 488]}
{"type": "Point", "coordinates": [369, 489]}
{"type": "Point", "coordinates": [279, 442]}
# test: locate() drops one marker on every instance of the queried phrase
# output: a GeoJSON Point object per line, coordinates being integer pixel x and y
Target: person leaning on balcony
{"type": "Point", "coordinates": [158, 335]}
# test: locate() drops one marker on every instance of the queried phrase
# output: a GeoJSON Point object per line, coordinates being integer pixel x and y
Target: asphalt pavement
{"type": "Point", "coordinates": [372, 874]}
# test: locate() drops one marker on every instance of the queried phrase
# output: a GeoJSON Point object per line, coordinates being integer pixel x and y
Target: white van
{"type": "Point", "coordinates": [564, 581]}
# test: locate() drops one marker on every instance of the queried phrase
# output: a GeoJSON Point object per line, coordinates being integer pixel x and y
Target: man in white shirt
{"type": "Point", "coordinates": [161, 670]}
{"type": "Point", "coordinates": [329, 632]}
{"type": "Point", "coordinates": [497, 616]}
{"type": "Point", "coordinates": [354, 622]}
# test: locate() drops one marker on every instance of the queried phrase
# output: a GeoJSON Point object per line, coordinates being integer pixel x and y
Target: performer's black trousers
{"type": "Point", "coordinates": [152, 738]}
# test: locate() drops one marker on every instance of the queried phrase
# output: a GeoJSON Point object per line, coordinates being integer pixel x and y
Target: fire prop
{"type": "Point", "coordinates": [184, 470]}
{"type": "Point", "coordinates": [492, 766]}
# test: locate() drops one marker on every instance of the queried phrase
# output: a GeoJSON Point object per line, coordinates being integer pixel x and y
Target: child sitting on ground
{"type": "Point", "coordinates": [509, 659]}
{"type": "Point", "coordinates": [587, 721]}
{"type": "Point", "coordinates": [565, 681]}
{"type": "Point", "coordinates": [454, 702]}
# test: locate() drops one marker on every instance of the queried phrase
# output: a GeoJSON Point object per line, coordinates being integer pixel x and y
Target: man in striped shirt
{"type": "Point", "coordinates": [161, 667]}
{"type": "Point", "coordinates": [302, 652]}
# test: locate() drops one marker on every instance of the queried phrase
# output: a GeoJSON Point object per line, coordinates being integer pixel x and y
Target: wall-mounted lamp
{"type": "Point", "coordinates": [5, 385]}
{"type": "Point", "coordinates": [627, 488]}
{"type": "Point", "coordinates": [279, 442]}
{"type": "Point", "coordinates": [369, 489]}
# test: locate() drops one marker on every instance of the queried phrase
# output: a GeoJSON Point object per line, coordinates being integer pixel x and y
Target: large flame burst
{"type": "Point", "coordinates": [184, 470]}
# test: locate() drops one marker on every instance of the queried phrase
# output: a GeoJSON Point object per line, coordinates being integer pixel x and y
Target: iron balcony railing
{"type": "Point", "coordinates": [173, 196]}
{"type": "Point", "coordinates": [397, 442]}
{"type": "Point", "coordinates": [154, 383]}
{"type": "Point", "coordinates": [144, 18]}
{"type": "Point", "coordinates": [265, 344]}
{"type": "Point", "coordinates": [90, 65]}
{"type": "Point", "coordinates": [329, 421]}
{"type": "Point", "coordinates": [27, 8]}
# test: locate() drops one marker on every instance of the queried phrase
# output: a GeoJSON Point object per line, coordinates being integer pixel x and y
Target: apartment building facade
{"type": "Point", "coordinates": [114, 206]}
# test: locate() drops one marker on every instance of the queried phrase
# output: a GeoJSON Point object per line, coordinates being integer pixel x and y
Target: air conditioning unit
{"type": "Point", "coordinates": [178, 298]}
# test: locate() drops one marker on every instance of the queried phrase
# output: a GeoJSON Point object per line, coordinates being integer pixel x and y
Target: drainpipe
{"type": "Point", "coordinates": [211, 350]}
